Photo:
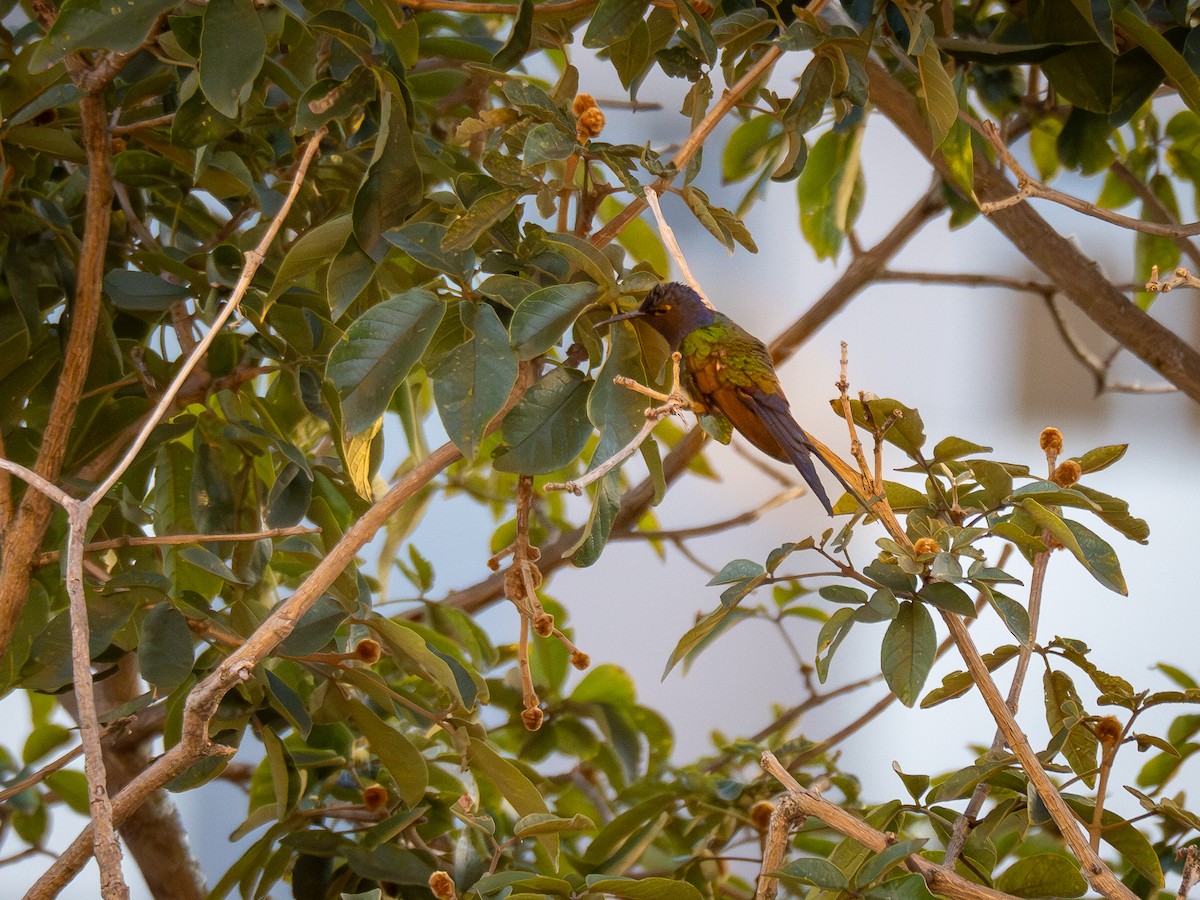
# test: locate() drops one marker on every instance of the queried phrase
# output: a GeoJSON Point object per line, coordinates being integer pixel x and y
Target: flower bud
{"type": "Point", "coordinates": [533, 718]}
{"type": "Point", "coordinates": [375, 797]}
{"type": "Point", "coordinates": [1067, 473]}
{"type": "Point", "coordinates": [583, 102]}
{"type": "Point", "coordinates": [442, 886]}
{"type": "Point", "coordinates": [1051, 441]}
{"type": "Point", "coordinates": [368, 651]}
{"type": "Point", "coordinates": [760, 814]}
{"type": "Point", "coordinates": [1109, 731]}
{"type": "Point", "coordinates": [590, 123]}
{"type": "Point", "coordinates": [580, 660]}
{"type": "Point", "coordinates": [926, 545]}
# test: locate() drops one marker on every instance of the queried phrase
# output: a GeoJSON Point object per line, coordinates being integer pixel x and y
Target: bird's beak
{"type": "Point", "coordinates": [632, 314]}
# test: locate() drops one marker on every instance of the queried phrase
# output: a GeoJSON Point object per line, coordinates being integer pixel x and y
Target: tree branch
{"type": "Point", "coordinates": [1028, 186]}
{"type": "Point", "coordinates": [1098, 875]}
{"type": "Point", "coordinates": [1078, 277]}
{"type": "Point", "coordinates": [194, 743]}
{"type": "Point", "coordinates": [25, 533]}
{"type": "Point", "coordinates": [942, 881]}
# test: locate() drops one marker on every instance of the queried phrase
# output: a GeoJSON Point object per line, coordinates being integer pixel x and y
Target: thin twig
{"type": "Point", "coordinates": [745, 518]}
{"type": "Point", "coordinates": [690, 147]}
{"type": "Point", "coordinates": [672, 245]}
{"type": "Point", "coordinates": [253, 260]}
{"type": "Point", "coordinates": [673, 402]}
{"type": "Point", "coordinates": [1099, 368]}
{"type": "Point", "coordinates": [1028, 186]}
{"type": "Point", "coordinates": [171, 540]}
{"type": "Point", "coordinates": [1191, 870]}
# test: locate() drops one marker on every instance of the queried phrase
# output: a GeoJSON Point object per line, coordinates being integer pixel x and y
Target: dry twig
{"type": "Point", "coordinates": [1028, 186]}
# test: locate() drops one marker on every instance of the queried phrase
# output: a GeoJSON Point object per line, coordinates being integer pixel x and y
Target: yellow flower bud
{"type": "Point", "coordinates": [1051, 441]}
{"type": "Point", "coordinates": [1067, 473]}
{"type": "Point", "coordinates": [590, 123]}
{"type": "Point", "coordinates": [926, 545]}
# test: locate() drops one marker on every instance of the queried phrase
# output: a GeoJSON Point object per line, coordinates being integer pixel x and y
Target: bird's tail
{"type": "Point", "coordinates": [800, 448]}
{"type": "Point", "coordinates": [774, 414]}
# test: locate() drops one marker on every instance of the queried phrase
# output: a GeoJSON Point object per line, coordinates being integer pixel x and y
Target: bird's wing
{"type": "Point", "coordinates": [771, 410]}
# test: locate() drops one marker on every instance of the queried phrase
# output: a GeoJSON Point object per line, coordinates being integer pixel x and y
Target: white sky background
{"type": "Point", "coordinates": [979, 363]}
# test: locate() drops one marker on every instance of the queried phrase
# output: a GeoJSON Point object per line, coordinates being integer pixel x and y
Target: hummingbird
{"type": "Point", "coordinates": [729, 372]}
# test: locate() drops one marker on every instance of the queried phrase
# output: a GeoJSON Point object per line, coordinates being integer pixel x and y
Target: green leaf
{"type": "Point", "coordinates": [643, 888]}
{"type": "Point", "coordinates": [546, 143]}
{"type": "Point", "coordinates": [539, 322]}
{"type": "Point", "coordinates": [518, 790]}
{"type": "Point", "coordinates": [1096, 555]}
{"type": "Point", "coordinates": [746, 149]}
{"type": "Point", "coordinates": [377, 352]}
{"type": "Point", "coordinates": [606, 683]}
{"type": "Point", "coordinates": [72, 786]}
{"type": "Point", "coordinates": [613, 21]}
{"type": "Point", "coordinates": [830, 190]}
{"type": "Point", "coordinates": [907, 430]}
{"type": "Point", "coordinates": [1014, 616]}
{"type": "Point", "coordinates": [142, 291]}
{"type": "Point", "coordinates": [908, 650]}
{"type": "Point", "coordinates": [582, 257]}
{"type": "Point", "coordinates": [483, 214]}
{"type": "Point", "coordinates": [832, 633]}
{"type": "Point", "coordinates": [289, 704]}
{"type": "Point", "coordinates": [955, 684]}
{"type": "Point", "coordinates": [547, 823]}
{"type": "Point", "coordinates": [704, 633]}
{"type": "Point", "coordinates": [397, 753]}
{"type": "Point", "coordinates": [956, 448]}
{"type": "Point", "coordinates": [165, 648]}
{"type": "Point", "coordinates": [1123, 837]}
{"type": "Point", "coordinates": [741, 569]}
{"type": "Point", "coordinates": [311, 250]}
{"type": "Point", "coordinates": [473, 381]}
{"type": "Point", "coordinates": [232, 47]}
{"type": "Point", "coordinates": [814, 871]}
{"type": "Point", "coordinates": [519, 38]}
{"type": "Point", "coordinates": [1043, 875]}
{"type": "Point", "coordinates": [878, 864]}
{"type": "Point", "coordinates": [549, 427]}
{"type": "Point", "coordinates": [916, 785]}
{"type": "Point", "coordinates": [424, 242]}
{"type": "Point", "coordinates": [97, 25]}
{"type": "Point", "coordinates": [605, 505]}
{"type": "Point", "coordinates": [393, 188]}
{"type": "Point", "coordinates": [906, 887]}
{"type": "Point", "coordinates": [1064, 710]}
{"type": "Point", "coordinates": [1101, 457]}
{"type": "Point", "coordinates": [43, 740]}
{"type": "Point", "coordinates": [936, 93]}
{"type": "Point", "coordinates": [949, 597]}
{"type": "Point", "coordinates": [205, 559]}
{"type": "Point", "coordinates": [412, 652]}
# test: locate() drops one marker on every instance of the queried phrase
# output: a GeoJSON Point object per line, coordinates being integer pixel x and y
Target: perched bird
{"type": "Point", "coordinates": [729, 372]}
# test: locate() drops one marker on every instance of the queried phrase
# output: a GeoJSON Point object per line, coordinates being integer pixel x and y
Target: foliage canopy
{"type": "Point", "coordinates": [440, 266]}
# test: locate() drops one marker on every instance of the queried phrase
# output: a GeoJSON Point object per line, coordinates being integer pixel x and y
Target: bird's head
{"type": "Point", "coordinates": [673, 310]}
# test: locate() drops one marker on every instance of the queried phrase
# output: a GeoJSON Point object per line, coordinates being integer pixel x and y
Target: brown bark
{"type": "Point", "coordinates": [24, 535]}
{"type": "Point", "coordinates": [153, 833]}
